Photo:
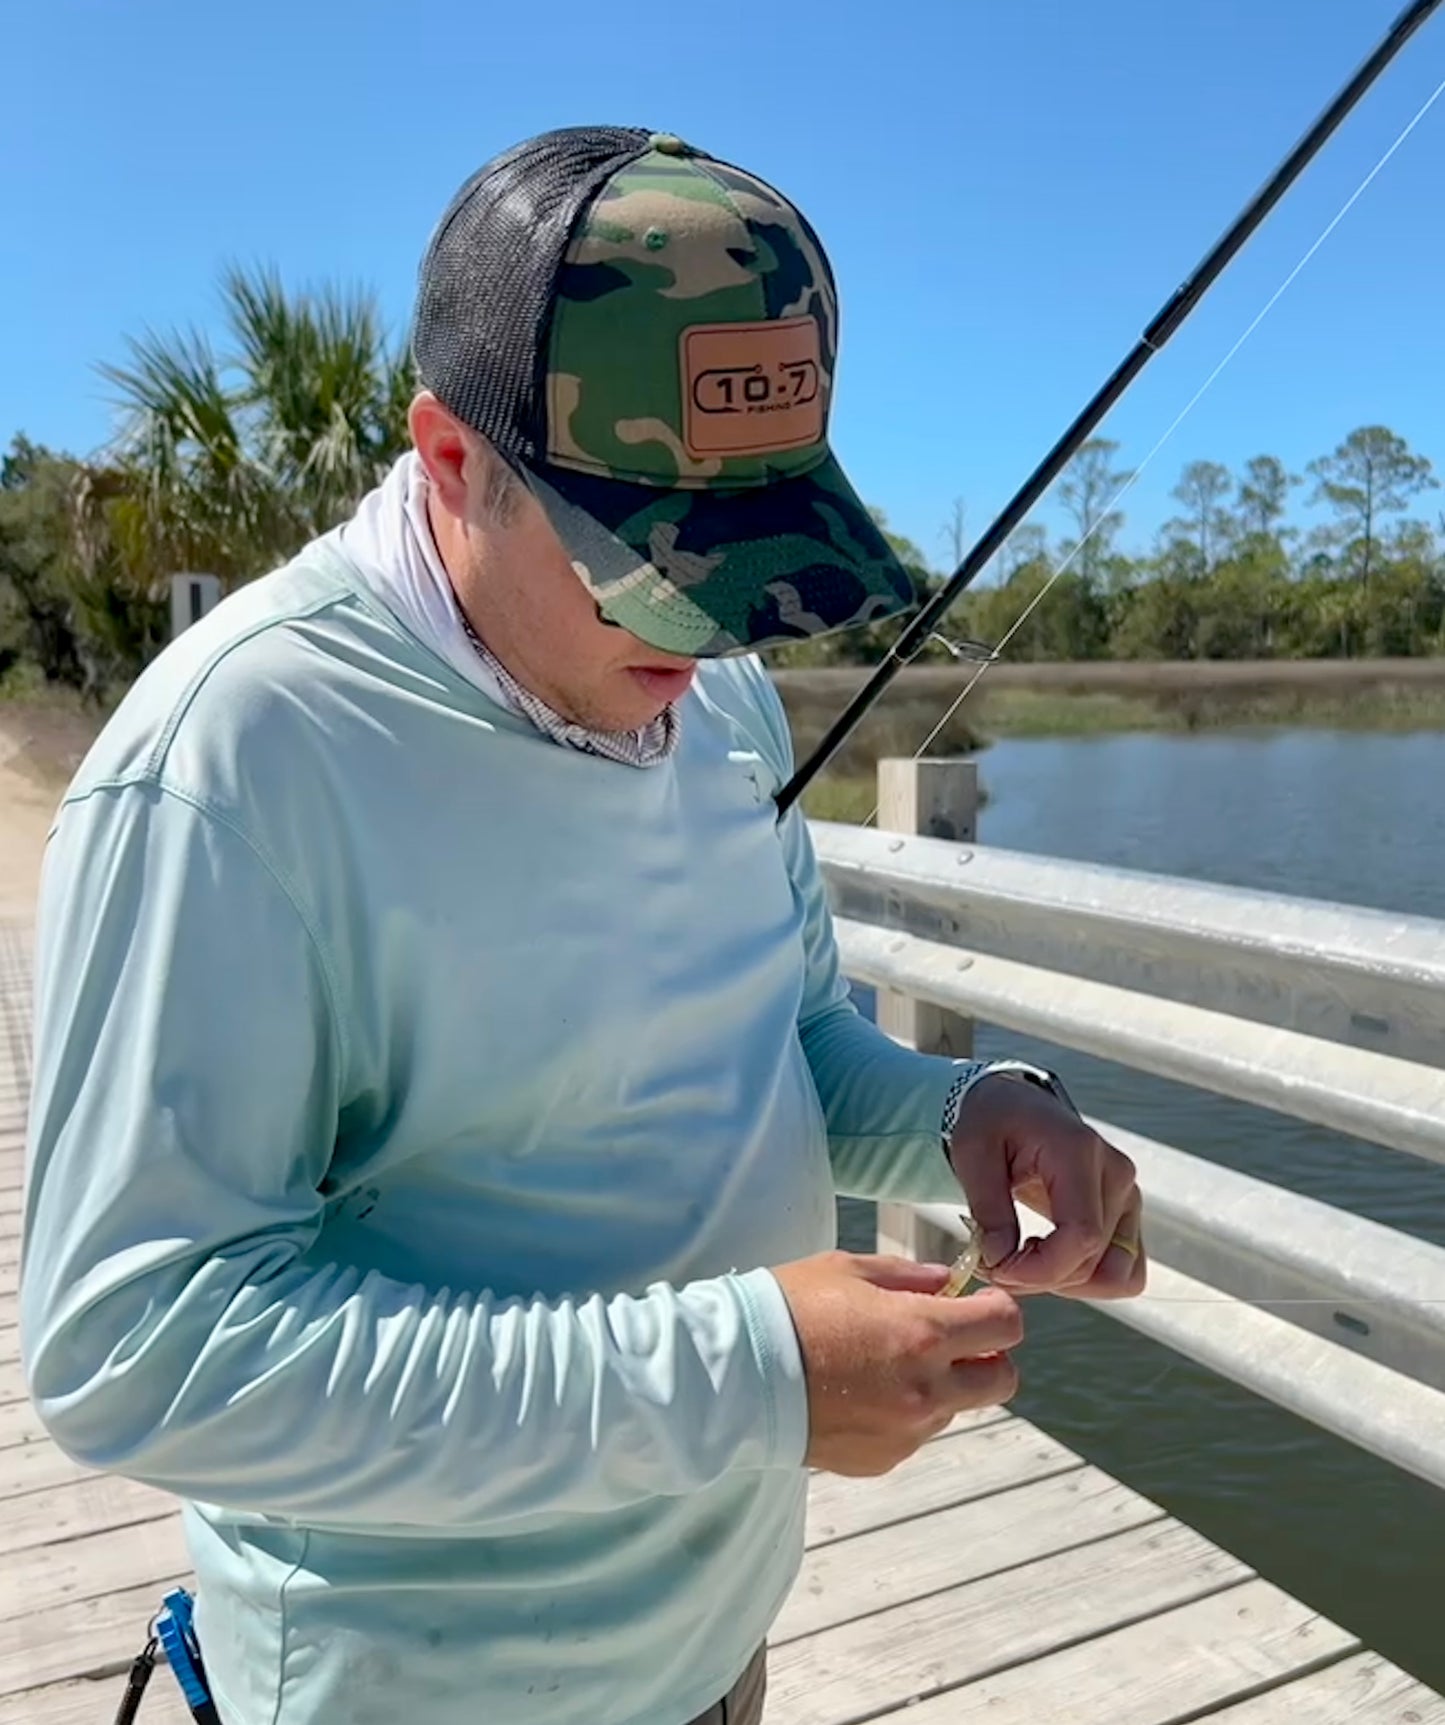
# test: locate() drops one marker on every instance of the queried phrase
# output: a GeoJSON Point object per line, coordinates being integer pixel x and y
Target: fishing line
{"type": "Point", "coordinates": [1346, 1303]}
{"type": "Point", "coordinates": [1226, 1299]}
{"type": "Point", "coordinates": [1179, 420]}
{"type": "Point", "coordinates": [968, 1267]}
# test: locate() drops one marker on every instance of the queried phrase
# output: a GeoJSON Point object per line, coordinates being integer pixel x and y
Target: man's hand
{"type": "Point", "coordinates": [1013, 1140]}
{"type": "Point", "coordinates": [888, 1363]}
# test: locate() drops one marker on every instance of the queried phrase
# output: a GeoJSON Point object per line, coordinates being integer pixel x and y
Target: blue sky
{"type": "Point", "coordinates": [1008, 189]}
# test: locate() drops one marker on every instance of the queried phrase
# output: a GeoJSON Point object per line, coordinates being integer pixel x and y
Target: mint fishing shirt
{"type": "Point", "coordinates": [418, 1108]}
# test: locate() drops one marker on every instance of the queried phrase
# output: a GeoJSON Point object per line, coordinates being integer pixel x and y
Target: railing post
{"type": "Point", "coordinates": [939, 799]}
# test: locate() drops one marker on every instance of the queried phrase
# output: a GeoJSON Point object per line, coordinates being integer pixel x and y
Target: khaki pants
{"type": "Point", "coordinates": [743, 1704]}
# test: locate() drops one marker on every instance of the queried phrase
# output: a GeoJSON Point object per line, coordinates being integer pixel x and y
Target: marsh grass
{"type": "Point", "coordinates": [1094, 699]}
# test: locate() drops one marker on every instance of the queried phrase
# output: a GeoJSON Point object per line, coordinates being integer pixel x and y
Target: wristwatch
{"type": "Point", "coordinates": [971, 1071]}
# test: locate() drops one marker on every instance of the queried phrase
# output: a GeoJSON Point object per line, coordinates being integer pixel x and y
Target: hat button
{"type": "Point", "coordinates": [669, 144]}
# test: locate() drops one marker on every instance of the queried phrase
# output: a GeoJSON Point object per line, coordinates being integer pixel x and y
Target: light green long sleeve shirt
{"type": "Point", "coordinates": [418, 1110]}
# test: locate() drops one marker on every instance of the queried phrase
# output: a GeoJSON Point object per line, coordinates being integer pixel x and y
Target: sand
{"type": "Point", "coordinates": [39, 751]}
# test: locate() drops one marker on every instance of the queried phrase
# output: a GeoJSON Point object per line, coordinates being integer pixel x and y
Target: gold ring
{"type": "Point", "coordinates": [1129, 1246]}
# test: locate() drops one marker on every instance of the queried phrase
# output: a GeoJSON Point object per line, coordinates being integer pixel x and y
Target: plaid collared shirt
{"type": "Point", "coordinates": [645, 748]}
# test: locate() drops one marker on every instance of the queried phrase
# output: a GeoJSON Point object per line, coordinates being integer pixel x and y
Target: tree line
{"type": "Point", "coordinates": [228, 458]}
{"type": "Point", "coordinates": [1231, 576]}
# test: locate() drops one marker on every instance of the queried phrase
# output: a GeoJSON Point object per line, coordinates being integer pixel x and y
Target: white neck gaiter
{"type": "Point", "coordinates": [390, 539]}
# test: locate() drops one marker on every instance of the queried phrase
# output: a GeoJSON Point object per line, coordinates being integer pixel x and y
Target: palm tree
{"type": "Point", "coordinates": [324, 399]}
{"type": "Point", "coordinates": [228, 462]}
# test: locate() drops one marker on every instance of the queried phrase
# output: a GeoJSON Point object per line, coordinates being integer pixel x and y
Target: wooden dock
{"type": "Point", "coordinates": [995, 1578]}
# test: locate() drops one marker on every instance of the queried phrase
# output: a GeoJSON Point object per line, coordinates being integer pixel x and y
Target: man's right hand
{"type": "Point", "coordinates": [888, 1363]}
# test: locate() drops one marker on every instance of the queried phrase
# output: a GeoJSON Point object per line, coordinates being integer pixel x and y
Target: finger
{"type": "Point", "coordinates": [1124, 1268]}
{"type": "Point", "coordinates": [988, 1185]}
{"type": "Point", "coordinates": [1120, 1205]}
{"type": "Point", "coordinates": [982, 1383]}
{"type": "Point", "coordinates": [1071, 1169]}
{"type": "Point", "coordinates": [987, 1322]}
{"type": "Point", "coordinates": [1121, 1190]}
{"type": "Point", "coordinates": [900, 1275]}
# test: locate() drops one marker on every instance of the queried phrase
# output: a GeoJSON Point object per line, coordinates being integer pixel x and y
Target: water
{"type": "Point", "coordinates": [1356, 818]}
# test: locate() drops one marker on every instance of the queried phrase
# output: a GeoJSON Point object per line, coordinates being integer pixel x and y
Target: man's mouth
{"type": "Point", "coordinates": [666, 683]}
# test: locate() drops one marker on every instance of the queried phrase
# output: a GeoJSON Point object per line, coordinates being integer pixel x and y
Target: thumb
{"type": "Point", "coordinates": [901, 1275]}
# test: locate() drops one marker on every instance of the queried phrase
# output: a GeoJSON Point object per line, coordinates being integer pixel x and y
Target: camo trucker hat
{"type": "Point", "coordinates": [648, 336]}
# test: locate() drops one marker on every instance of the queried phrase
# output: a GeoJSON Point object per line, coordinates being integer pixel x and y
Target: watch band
{"type": "Point", "coordinates": [971, 1071]}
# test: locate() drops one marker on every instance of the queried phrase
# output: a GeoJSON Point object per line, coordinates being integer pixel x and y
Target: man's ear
{"type": "Point", "coordinates": [445, 449]}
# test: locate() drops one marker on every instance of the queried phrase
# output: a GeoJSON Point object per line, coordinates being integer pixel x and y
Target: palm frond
{"type": "Point", "coordinates": [231, 459]}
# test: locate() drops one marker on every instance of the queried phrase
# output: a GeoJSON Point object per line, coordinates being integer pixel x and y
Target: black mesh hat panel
{"type": "Point", "coordinates": [486, 286]}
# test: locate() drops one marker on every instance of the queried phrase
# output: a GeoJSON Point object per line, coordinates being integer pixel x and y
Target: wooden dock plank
{"type": "Point", "coordinates": [90, 1505]}
{"type": "Point", "coordinates": [90, 1637]}
{"type": "Point", "coordinates": [1192, 1657]}
{"type": "Point", "coordinates": [19, 1423]}
{"type": "Point", "coordinates": [12, 1385]}
{"type": "Point", "coordinates": [94, 1702]}
{"type": "Point", "coordinates": [952, 1469]}
{"type": "Point", "coordinates": [1365, 1690]}
{"type": "Point", "coordinates": [904, 1655]}
{"type": "Point", "coordinates": [41, 1577]}
{"type": "Point", "coordinates": [38, 1466]}
{"type": "Point", "coordinates": [871, 1572]}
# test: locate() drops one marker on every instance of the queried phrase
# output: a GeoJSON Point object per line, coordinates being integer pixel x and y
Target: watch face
{"type": "Point", "coordinates": [1044, 1080]}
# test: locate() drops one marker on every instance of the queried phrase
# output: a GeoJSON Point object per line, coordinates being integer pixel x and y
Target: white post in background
{"type": "Point", "coordinates": [191, 597]}
{"type": "Point", "coordinates": [938, 799]}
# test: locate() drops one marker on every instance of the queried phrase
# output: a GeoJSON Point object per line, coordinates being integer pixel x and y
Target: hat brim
{"type": "Point", "coordinates": [707, 572]}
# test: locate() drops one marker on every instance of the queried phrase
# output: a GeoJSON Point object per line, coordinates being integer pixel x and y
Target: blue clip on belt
{"type": "Point", "coordinates": [175, 1630]}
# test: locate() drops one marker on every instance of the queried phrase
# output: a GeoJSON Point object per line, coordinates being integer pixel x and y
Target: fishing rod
{"type": "Point", "coordinates": [1168, 320]}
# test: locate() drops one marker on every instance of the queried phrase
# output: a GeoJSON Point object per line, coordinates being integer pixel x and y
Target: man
{"type": "Point", "coordinates": [443, 1068]}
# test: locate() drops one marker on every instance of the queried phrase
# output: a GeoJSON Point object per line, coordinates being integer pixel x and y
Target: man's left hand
{"type": "Point", "coordinates": [1015, 1141]}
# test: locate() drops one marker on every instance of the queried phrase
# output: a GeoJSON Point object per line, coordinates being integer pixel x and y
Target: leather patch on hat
{"type": "Point", "coordinates": [752, 388]}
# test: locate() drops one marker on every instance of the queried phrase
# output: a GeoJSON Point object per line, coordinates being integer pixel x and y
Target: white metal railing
{"type": "Point", "coordinates": [1379, 1097]}
{"type": "Point", "coordinates": [1324, 1012]}
{"type": "Point", "coordinates": [1370, 979]}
